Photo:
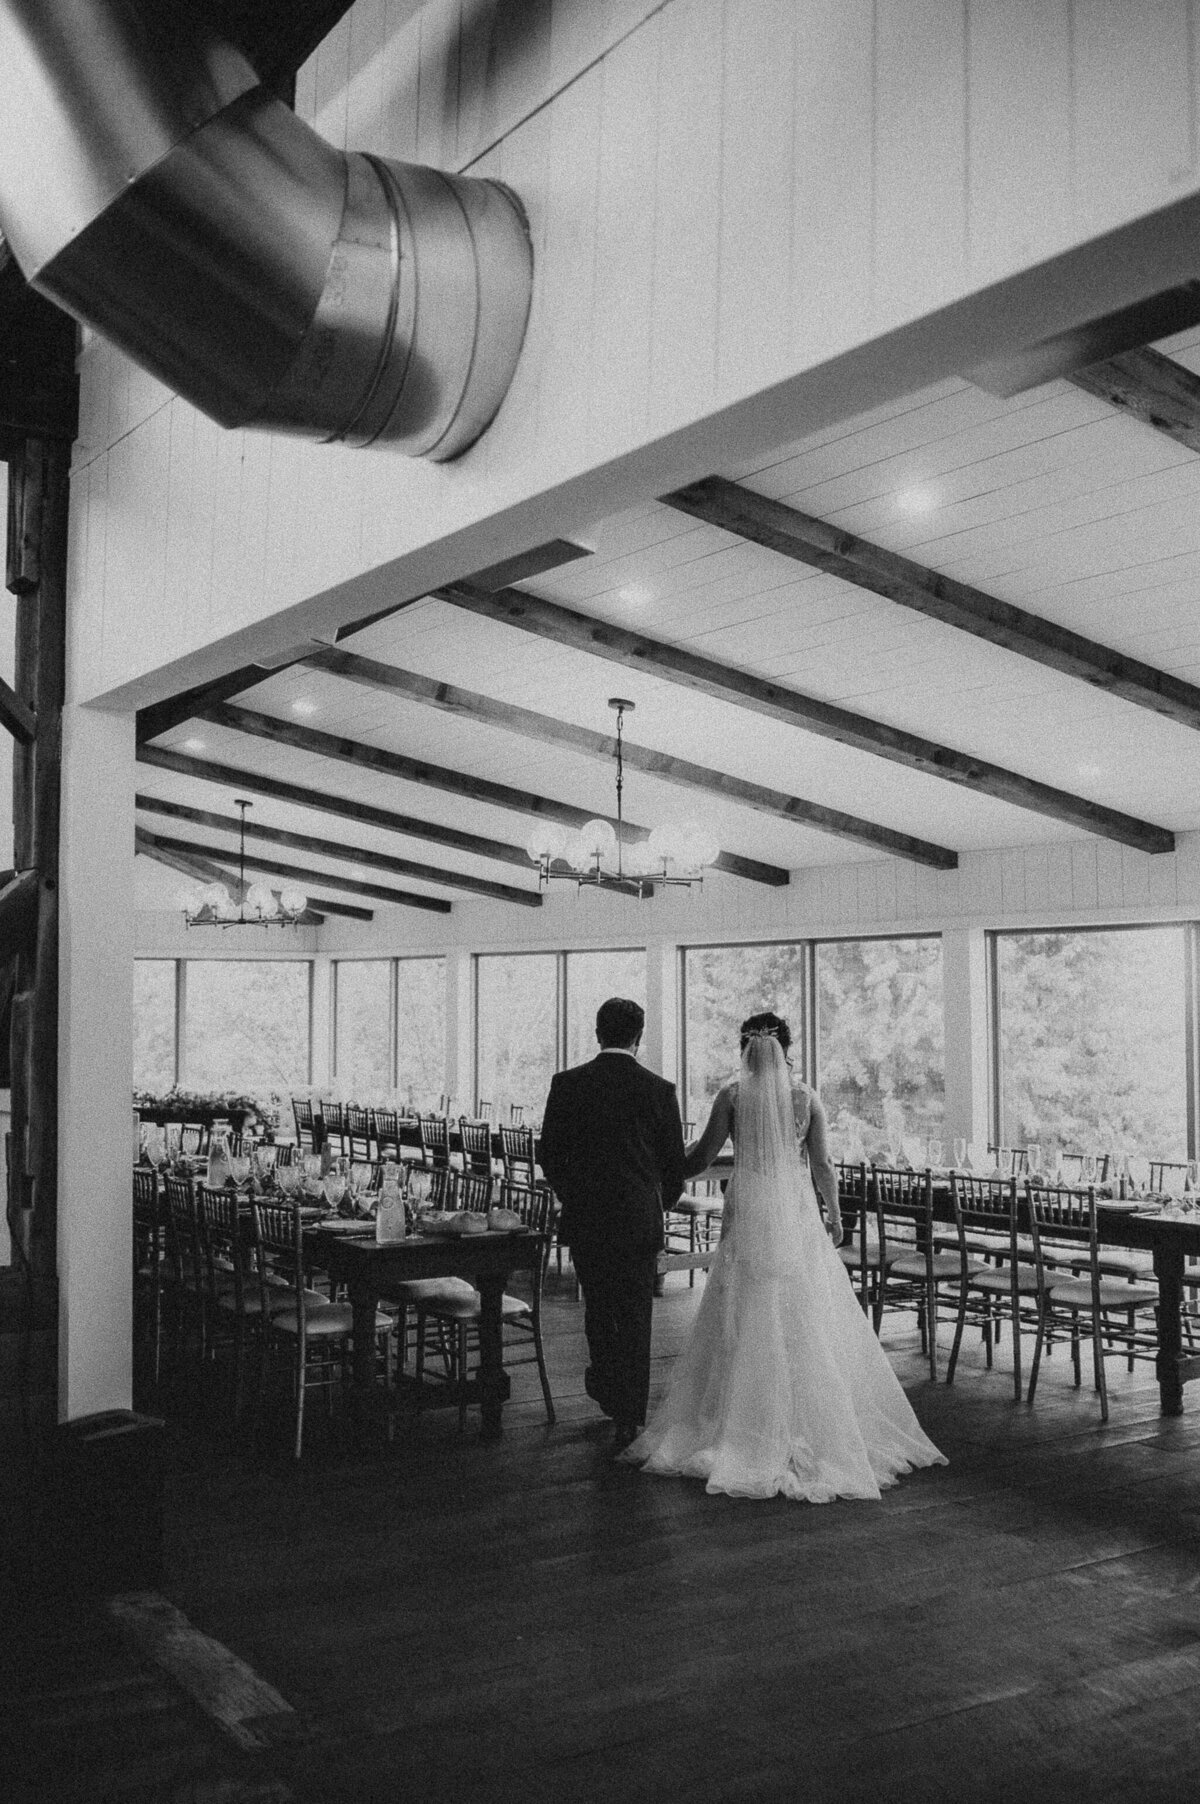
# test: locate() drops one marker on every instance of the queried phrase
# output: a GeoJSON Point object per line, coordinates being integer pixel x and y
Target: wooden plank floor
{"type": "Point", "coordinates": [450, 1620]}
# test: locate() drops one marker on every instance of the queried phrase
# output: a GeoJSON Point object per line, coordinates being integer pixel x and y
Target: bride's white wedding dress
{"type": "Point", "coordinates": [782, 1386]}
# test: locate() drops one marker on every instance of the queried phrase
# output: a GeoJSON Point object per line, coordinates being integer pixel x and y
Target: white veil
{"type": "Point", "coordinates": [767, 1170]}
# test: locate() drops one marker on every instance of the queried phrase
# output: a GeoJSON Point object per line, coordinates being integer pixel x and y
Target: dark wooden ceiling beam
{"type": "Point", "coordinates": [344, 808]}
{"type": "Point", "coordinates": [1148, 387]}
{"type": "Point", "coordinates": [328, 848]}
{"type": "Point", "coordinates": [604, 639]}
{"type": "Point", "coordinates": [821, 546]}
{"type": "Point", "coordinates": [306, 874]}
{"type": "Point", "coordinates": [467, 705]}
{"type": "Point", "coordinates": [162, 717]}
{"type": "Point", "coordinates": [455, 782]}
{"type": "Point", "coordinates": [520, 568]}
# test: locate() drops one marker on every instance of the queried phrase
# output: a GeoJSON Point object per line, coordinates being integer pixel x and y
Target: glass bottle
{"type": "Point", "coordinates": [220, 1167]}
{"type": "Point", "coordinates": [389, 1215]}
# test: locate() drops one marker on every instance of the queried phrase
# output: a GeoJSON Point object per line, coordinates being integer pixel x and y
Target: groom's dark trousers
{"type": "Point", "coordinates": [612, 1148]}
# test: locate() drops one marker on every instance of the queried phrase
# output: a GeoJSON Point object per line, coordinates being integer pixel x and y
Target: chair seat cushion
{"type": "Point", "coordinates": [697, 1205]}
{"type": "Point", "coordinates": [997, 1282]}
{"type": "Point", "coordinates": [324, 1320]}
{"type": "Point", "coordinates": [912, 1265]}
{"type": "Point", "coordinates": [1119, 1265]}
{"type": "Point", "coordinates": [852, 1257]}
{"type": "Point", "coordinates": [1076, 1293]}
{"type": "Point", "coordinates": [415, 1291]}
{"type": "Point", "coordinates": [462, 1309]}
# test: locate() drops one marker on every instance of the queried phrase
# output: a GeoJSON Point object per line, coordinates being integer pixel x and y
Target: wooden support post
{"type": "Point", "coordinates": [36, 571]}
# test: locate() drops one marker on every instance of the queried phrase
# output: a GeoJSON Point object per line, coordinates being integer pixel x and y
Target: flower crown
{"type": "Point", "coordinates": [761, 1033]}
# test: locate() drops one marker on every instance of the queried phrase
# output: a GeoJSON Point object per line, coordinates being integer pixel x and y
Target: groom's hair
{"type": "Point", "coordinates": [619, 1022]}
{"type": "Point", "coordinates": [766, 1024]}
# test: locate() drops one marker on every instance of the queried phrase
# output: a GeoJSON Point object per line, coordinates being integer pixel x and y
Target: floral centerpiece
{"type": "Point", "coordinates": [202, 1106]}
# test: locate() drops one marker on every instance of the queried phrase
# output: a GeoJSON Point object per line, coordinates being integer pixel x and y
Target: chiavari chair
{"type": "Point", "coordinates": [149, 1257]}
{"type": "Point", "coordinates": [454, 1321]}
{"type": "Point", "coordinates": [1167, 1174]}
{"type": "Point", "coordinates": [231, 1297]}
{"type": "Point", "coordinates": [1118, 1315]}
{"type": "Point", "coordinates": [333, 1120]}
{"type": "Point", "coordinates": [476, 1140]}
{"type": "Point", "coordinates": [315, 1333]}
{"type": "Point", "coordinates": [911, 1270]}
{"type": "Point", "coordinates": [435, 1140]}
{"type": "Point", "coordinates": [357, 1134]}
{"type": "Point", "coordinates": [385, 1128]}
{"type": "Point", "coordinates": [186, 1264]}
{"type": "Point", "coordinates": [989, 1294]}
{"type": "Point", "coordinates": [863, 1248]}
{"type": "Point", "coordinates": [518, 1153]}
{"type": "Point", "coordinates": [302, 1115]}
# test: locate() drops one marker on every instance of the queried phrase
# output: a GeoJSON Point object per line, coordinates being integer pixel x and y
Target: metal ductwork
{"type": "Point", "coordinates": [150, 186]}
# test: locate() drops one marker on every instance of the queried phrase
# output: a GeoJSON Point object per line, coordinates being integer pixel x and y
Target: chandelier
{"type": "Point", "coordinates": [595, 857]}
{"type": "Point", "coordinates": [211, 905]}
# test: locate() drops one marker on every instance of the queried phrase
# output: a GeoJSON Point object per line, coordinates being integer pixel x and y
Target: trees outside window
{"type": "Point", "coordinates": [592, 977]}
{"type": "Point", "coordinates": [1092, 1040]}
{"type": "Point", "coordinates": [247, 1025]}
{"type": "Point", "coordinates": [517, 1029]}
{"type": "Point", "coordinates": [880, 1043]}
{"type": "Point", "coordinates": [154, 1024]}
{"type": "Point", "coordinates": [722, 985]}
{"type": "Point", "coordinates": [363, 1027]}
{"type": "Point", "coordinates": [421, 1032]}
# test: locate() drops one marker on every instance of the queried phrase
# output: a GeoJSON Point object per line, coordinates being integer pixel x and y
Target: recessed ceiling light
{"type": "Point", "coordinates": [1091, 770]}
{"type": "Point", "coordinates": [636, 595]}
{"type": "Point", "coordinates": [916, 501]}
{"type": "Point", "coordinates": [193, 745]}
{"type": "Point", "coordinates": [304, 705]}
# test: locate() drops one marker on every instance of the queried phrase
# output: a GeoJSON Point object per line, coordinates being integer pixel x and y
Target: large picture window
{"type": "Point", "coordinates": [880, 1044]}
{"type": "Point", "coordinates": [421, 1031]}
{"type": "Point", "coordinates": [1092, 1040]}
{"type": "Point", "coordinates": [592, 977]}
{"type": "Point", "coordinates": [154, 1024]}
{"type": "Point", "coordinates": [363, 1027]}
{"type": "Point", "coordinates": [722, 985]}
{"type": "Point", "coordinates": [247, 1025]}
{"type": "Point", "coordinates": [516, 1029]}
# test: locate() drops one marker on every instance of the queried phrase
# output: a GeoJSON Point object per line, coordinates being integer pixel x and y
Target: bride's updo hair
{"type": "Point", "coordinates": [766, 1024]}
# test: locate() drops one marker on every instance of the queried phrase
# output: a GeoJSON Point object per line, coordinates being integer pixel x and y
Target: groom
{"type": "Point", "coordinates": [612, 1148]}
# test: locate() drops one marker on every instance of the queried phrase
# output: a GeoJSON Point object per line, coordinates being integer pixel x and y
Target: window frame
{"type": "Point", "coordinates": [1190, 1001]}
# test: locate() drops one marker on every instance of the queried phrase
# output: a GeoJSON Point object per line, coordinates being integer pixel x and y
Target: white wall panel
{"type": "Point", "coordinates": [843, 135]}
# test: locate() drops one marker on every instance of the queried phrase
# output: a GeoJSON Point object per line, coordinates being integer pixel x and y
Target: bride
{"type": "Point", "coordinates": [782, 1385]}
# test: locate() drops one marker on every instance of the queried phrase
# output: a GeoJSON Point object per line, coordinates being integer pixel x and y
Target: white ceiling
{"type": "Point", "coordinates": [1052, 501]}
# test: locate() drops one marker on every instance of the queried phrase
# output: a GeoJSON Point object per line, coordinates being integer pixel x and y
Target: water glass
{"type": "Point", "coordinates": [1033, 1156]}
{"type": "Point", "coordinates": [933, 1151]}
{"type": "Point", "coordinates": [960, 1151]}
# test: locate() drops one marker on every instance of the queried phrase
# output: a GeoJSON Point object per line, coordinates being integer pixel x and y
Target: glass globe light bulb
{"type": "Point", "coordinates": [598, 839]}
{"type": "Point", "coordinates": [294, 901]}
{"type": "Point", "coordinates": [260, 900]}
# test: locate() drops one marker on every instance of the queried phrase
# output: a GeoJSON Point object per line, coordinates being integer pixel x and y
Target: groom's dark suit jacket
{"type": "Point", "coordinates": [612, 1148]}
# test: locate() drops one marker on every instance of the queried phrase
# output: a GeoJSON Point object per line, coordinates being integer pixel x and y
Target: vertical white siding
{"type": "Point", "coordinates": [723, 194]}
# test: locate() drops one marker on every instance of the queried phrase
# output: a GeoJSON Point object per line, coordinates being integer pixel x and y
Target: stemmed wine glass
{"type": "Point", "coordinates": [960, 1151]}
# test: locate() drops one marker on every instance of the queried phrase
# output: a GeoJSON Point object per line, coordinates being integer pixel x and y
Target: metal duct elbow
{"type": "Point", "coordinates": [153, 189]}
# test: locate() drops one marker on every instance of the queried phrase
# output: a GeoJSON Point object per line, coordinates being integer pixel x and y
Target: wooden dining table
{"type": "Point", "coordinates": [371, 1270]}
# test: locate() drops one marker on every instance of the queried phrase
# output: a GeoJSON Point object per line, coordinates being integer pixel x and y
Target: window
{"type": "Point", "coordinates": [363, 1026]}
{"type": "Point", "coordinates": [880, 1043]}
{"type": "Point", "coordinates": [722, 985]}
{"type": "Point", "coordinates": [247, 1025]}
{"type": "Point", "coordinates": [421, 1030]}
{"type": "Point", "coordinates": [517, 1030]}
{"type": "Point", "coordinates": [1091, 1040]}
{"type": "Point", "coordinates": [591, 978]}
{"type": "Point", "coordinates": [154, 1024]}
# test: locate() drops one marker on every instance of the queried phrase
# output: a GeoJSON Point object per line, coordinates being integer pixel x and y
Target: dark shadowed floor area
{"type": "Point", "coordinates": [445, 1620]}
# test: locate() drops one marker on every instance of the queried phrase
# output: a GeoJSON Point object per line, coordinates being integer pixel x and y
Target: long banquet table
{"type": "Point", "coordinates": [372, 1269]}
